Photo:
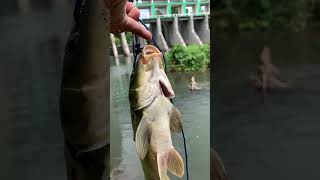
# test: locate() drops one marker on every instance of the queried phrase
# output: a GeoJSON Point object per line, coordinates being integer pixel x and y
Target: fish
{"type": "Point", "coordinates": [154, 117]}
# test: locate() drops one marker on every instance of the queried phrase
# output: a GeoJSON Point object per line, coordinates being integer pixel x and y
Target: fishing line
{"type": "Point", "coordinates": [136, 49]}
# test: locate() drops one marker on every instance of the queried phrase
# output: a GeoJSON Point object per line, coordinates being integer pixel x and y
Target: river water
{"type": "Point", "coordinates": [194, 107]}
{"type": "Point", "coordinates": [277, 138]}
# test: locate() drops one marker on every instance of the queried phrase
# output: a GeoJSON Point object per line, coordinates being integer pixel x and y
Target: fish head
{"type": "Point", "coordinates": [149, 79]}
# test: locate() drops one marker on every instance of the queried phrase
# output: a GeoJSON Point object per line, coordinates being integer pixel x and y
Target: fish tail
{"type": "Point", "coordinates": [175, 120]}
{"type": "Point", "coordinates": [172, 161]}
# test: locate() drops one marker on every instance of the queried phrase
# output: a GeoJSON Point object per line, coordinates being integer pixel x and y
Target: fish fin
{"type": "Point", "coordinates": [175, 163]}
{"type": "Point", "coordinates": [142, 142]}
{"type": "Point", "coordinates": [175, 120]}
{"type": "Point", "coordinates": [162, 166]}
{"type": "Point", "coordinates": [166, 85]}
{"type": "Point", "coordinates": [134, 121]}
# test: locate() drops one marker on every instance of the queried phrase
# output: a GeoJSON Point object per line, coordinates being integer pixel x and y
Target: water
{"type": "Point", "coordinates": [31, 48]}
{"type": "Point", "coordinates": [195, 109]}
{"type": "Point", "coordinates": [277, 139]}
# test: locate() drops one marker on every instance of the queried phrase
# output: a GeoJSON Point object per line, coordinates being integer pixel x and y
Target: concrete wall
{"type": "Point", "coordinates": [124, 44]}
{"type": "Point", "coordinates": [188, 33]}
{"type": "Point", "coordinates": [114, 46]}
{"type": "Point", "coordinates": [202, 29]}
{"type": "Point", "coordinates": [156, 30]}
{"type": "Point", "coordinates": [172, 34]}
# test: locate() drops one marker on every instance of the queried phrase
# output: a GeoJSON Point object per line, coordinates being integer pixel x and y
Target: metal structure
{"type": "Point", "coordinates": [168, 8]}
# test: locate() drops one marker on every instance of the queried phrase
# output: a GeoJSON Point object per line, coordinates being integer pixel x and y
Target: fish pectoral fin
{"type": "Point", "coordinates": [175, 163]}
{"type": "Point", "coordinates": [162, 166]}
{"type": "Point", "coordinates": [142, 138]}
{"type": "Point", "coordinates": [134, 122]}
{"type": "Point", "coordinates": [175, 120]}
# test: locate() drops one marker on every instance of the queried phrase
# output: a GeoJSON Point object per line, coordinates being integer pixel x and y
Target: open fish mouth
{"type": "Point", "coordinates": [152, 53]}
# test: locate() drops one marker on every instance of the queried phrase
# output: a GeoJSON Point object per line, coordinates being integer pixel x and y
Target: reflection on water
{"type": "Point", "coordinates": [194, 107]}
{"type": "Point", "coordinates": [277, 139]}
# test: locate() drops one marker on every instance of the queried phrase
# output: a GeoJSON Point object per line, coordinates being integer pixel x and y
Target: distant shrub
{"type": "Point", "coordinates": [190, 58]}
{"type": "Point", "coordinates": [117, 41]}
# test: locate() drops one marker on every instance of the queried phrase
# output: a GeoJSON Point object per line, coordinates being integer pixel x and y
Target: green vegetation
{"type": "Point", "coordinates": [262, 14]}
{"type": "Point", "coordinates": [190, 58]}
{"type": "Point", "coordinates": [117, 41]}
{"type": "Point", "coordinates": [128, 37]}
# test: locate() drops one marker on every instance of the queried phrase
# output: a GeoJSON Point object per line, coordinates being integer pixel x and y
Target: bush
{"type": "Point", "coordinates": [190, 58]}
{"type": "Point", "coordinates": [117, 41]}
{"type": "Point", "coordinates": [128, 37]}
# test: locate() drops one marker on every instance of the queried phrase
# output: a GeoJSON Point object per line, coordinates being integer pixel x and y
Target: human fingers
{"type": "Point", "coordinates": [129, 7]}
{"type": "Point", "coordinates": [138, 29]}
{"type": "Point", "coordinates": [134, 13]}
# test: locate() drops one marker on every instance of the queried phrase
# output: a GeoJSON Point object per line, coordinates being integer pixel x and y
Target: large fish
{"type": "Point", "coordinates": [154, 117]}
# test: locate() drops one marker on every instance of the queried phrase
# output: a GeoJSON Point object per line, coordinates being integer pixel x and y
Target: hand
{"type": "Point", "coordinates": [129, 23]}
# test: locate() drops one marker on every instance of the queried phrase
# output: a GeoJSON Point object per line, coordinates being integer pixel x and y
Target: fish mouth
{"type": "Point", "coordinates": [148, 52]}
{"type": "Point", "coordinates": [151, 53]}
